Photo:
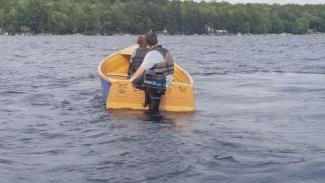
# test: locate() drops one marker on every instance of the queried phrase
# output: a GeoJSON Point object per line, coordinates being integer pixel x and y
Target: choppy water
{"type": "Point", "coordinates": [260, 113]}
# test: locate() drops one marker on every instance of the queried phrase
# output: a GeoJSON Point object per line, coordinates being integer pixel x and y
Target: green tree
{"type": "Point", "coordinates": [12, 22]}
{"type": "Point", "coordinates": [192, 21]}
{"type": "Point", "coordinates": [139, 16]}
{"type": "Point", "coordinates": [277, 24]}
{"type": "Point", "coordinates": [173, 17]}
{"type": "Point", "coordinates": [2, 19]}
{"type": "Point", "coordinates": [301, 25]}
{"type": "Point", "coordinates": [119, 19]}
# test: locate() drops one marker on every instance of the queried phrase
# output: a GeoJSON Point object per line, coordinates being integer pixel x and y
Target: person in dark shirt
{"type": "Point", "coordinates": [137, 56]}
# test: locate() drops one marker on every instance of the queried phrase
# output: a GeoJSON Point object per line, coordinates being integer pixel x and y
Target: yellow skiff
{"type": "Point", "coordinates": [118, 92]}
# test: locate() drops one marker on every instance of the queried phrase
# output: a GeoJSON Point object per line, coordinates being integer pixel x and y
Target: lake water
{"type": "Point", "coordinates": [260, 113]}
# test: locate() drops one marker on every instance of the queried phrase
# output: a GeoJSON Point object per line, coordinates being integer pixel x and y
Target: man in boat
{"type": "Point", "coordinates": [157, 68]}
{"type": "Point", "coordinates": [136, 60]}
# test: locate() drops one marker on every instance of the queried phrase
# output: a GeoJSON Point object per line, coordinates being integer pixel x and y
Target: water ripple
{"type": "Point", "coordinates": [259, 116]}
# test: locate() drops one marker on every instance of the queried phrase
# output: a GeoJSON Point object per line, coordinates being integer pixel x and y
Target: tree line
{"type": "Point", "coordinates": [173, 16]}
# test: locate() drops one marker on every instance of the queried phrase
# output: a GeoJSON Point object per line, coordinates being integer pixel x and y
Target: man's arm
{"type": "Point", "coordinates": [137, 74]}
{"type": "Point", "coordinates": [149, 60]}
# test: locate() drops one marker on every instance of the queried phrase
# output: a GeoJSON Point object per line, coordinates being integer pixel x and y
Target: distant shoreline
{"type": "Point", "coordinates": [98, 17]}
{"type": "Point", "coordinates": [121, 34]}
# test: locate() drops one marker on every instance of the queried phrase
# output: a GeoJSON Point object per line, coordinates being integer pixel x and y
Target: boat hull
{"type": "Point", "coordinates": [119, 93]}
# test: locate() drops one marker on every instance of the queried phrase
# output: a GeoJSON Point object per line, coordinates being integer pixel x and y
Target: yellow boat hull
{"type": "Point", "coordinates": [119, 93]}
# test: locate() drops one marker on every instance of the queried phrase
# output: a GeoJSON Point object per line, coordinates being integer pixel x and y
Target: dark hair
{"type": "Point", "coordinates": [151, 38]}
{"type": "Point", "coordinates": [141, 42]}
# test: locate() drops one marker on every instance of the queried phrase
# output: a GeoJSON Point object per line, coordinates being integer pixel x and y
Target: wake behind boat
{"type": "Point", "coordinates": [119, 93]}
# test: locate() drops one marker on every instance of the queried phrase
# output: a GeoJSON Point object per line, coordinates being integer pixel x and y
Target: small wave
{"type": "Point", "coordinates": [49, 152]}
{"type": "Point", "coordinates": [9, 110]}
{"type": "Point", "coordinates": [100, 180]}
{"type": "Point", "coordinates": [107, 142]}
{"type": "Point", "coordinates": [83, 77]}
{"type": "Point", "coordinates": [169, 174]}
{"type": "Point", "coordinates": [269, 163]}
{"type": "Point", "coordinates": [12, 92]}
{"type": "Point", "coordinates": [92, 76]}
{"type": "Point", "coordinates": [125, 153]}
{"type": "Point", "coordinates": [97, 135]}
{"type": "Point", "coordinates": [311, 59]}
{"type": "Point", "coordinates": [48, 135]}
{"type": "Point", "coordinates": [225, 158]}
{"type": "Point", "coordinates": [65, 104]}
{"type": "Point", "coordinates": [229, 144]}
{"type": "Point", "coordinates": [209, 73]}
{"type": "Point", "coordinates": [258, 70]}
{"type": "Point", "coordinates": [19, 55]}
{"type": "Point", "coordinates": [25, 139]}
{"type": "Point", "coordinates": [110, 164]}
{"type": "Point", "coordinates": [7, 162]}
{"type": "Point", "coordinates": [44, 99]}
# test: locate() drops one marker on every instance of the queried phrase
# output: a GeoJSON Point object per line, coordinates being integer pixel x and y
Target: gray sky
{"type": "Point", "coordinates": [275, 1]}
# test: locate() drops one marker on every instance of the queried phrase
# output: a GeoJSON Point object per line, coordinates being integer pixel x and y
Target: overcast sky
{"type": "Point", "coordinates": [275, 1]}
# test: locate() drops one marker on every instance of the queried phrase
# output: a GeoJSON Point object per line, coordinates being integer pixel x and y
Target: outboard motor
{"type": "Point", "coordinates": [155, 87]}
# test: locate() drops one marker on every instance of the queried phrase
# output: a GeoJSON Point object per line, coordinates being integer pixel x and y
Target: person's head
{"type": "Point", "coordinates": [151, 38]}
{"type": "Point", "coordinates": [141, 42]}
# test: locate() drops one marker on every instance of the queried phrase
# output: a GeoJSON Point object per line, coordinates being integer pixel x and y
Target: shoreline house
{"type": "Point", "coordinates": [312, 30]}
{"type": "Point", "coordinates": [218, 32]}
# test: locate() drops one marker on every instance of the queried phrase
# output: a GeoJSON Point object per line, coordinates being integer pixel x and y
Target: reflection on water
{"type": "Point", "coordinates": [167, 119]}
